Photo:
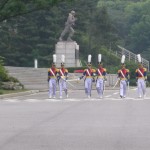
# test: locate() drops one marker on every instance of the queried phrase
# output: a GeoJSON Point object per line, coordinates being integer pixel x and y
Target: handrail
{"type": "Point", "coordinates": [131, 56]}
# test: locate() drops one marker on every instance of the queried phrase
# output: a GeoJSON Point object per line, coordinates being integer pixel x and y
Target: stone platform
{"type": "Point", "coordinates": [71, 52]}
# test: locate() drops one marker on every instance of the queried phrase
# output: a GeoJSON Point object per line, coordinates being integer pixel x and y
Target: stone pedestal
{"type": "Point", "coordinates": [71, 52]}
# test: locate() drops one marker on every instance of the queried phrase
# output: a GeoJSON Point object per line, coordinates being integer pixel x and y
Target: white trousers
{"type": "Point", "coordinates": [141, 87]}
{"type": "Point", "coordinates": [88, 86]}
{"type": "Point", "coordinates": [123, 88]}
{"type": "Point", "coordinates": [100, 86]}
{"type": "Point", "coordinates": [62, 86]}
{"type": "Point", "coordinates": [52, 87]}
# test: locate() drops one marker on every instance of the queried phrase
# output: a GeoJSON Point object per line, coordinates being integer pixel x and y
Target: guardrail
{"type": "Point", "coordinates": [131, 56]}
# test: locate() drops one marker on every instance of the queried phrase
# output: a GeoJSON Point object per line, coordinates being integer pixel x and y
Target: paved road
{"type": "Point", "coordinates": [35, 122]}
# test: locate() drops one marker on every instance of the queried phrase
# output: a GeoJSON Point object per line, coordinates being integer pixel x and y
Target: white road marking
{"type": "Point", "coordinates": [147, 98]}
{"type": "Point", "coordinates": [32, 100]}
{"type": "Point", "coordinates": [11, 100]}
{"type": "Point", "coordinates": [53, 100]}
{"type": "Point", "coordinates": [75, 100]}
{"type": "Point", "coordinates": [116, 99]}
{"type": "Point", "coordinates": [138, 99]}
{"type": "Point", "coordinates": [112, 94]}
{"type": "Point", "coordinates": [108, 96]}
{"type": "Point", "coordinates": [115, 93]}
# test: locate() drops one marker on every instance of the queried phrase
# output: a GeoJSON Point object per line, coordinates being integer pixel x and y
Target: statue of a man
{"type": "Point", "coordinates": [68, 27]}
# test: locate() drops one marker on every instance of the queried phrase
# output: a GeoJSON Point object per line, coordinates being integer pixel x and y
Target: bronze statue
{"type": "Point", "coordinates": [68, 27]}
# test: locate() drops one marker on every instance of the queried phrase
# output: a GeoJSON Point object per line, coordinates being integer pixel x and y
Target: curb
{"type": "Point", "coordinates": [18, 94]}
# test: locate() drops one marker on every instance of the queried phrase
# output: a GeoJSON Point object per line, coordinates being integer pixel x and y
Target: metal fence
{"type": "Point", "coordinates": [131, 56]}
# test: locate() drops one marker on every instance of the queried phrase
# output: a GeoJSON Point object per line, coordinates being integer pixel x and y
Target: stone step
{"type": "Point", "coordinates": [33, 78]}
{"type": "Point", "coordinates": [37, 78]}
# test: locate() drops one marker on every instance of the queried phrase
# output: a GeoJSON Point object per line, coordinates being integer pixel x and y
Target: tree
{"type": "Point", "coordinates": [14, 8]}
{"type": "Point", "coordinates": [33, 35]}
{"type": "Point", "coordinates": [139, 21]}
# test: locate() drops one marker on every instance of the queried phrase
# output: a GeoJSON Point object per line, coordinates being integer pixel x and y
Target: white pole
{"type": "Point", "coordinates": [35, 63]}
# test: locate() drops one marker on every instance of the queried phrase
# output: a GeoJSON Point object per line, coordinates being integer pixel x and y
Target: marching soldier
{"type": "Point", "coordinates": [101, 77]}
{"type": "Point", "coordinates": [63, 73]}
{"type": "Point", "coordinates": [89, 77]}
{"type": "Point", "coordinates": [123, 75]}
{"type": "Point", "coordinates": [52, 72]}
{"type": "Point", "coordinates": [141, 77]}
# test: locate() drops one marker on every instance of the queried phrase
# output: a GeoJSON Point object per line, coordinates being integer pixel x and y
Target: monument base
{"type": "Point", "coordinates": [71, 52]}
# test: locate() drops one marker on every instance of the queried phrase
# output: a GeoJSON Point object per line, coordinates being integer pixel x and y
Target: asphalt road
{"type": "Point", "coordinates": [35, 122]}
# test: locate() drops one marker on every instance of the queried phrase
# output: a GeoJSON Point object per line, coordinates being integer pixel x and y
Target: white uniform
{"type": "Point", "coordinates": [141, 75]}
{"type": "Point", "coordinates": [123, 74]}
{"type": "Point", "coordinates": [62, 81]}
{"type": "Point", "coordinates": [52, 82]}
{"type": "Point", "coordinates": [101, 73]}
{"type": "Point", "coordinates": [88, 73]}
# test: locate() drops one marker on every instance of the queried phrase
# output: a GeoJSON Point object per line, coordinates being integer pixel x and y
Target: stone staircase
{"type": "Point", "coordinates": [31, 78]}
{"type": "Point", "coordinates": [36, 78]}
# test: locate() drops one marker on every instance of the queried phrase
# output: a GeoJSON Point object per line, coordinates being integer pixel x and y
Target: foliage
{"type": "Point", "coordinates": [148, 79]}
{"type": "Point", "coordinates": [32, 30]}
{"type": "Point", "coordinates": [132, 68]}
{"type": "Point", "coordinates": [3, 72]}
{"type": "Point", "coordinates": [132, 22]}
{"type": "Point", "coordinates": [4, 77]}
{"type": "Point", "coordinates": [13, 8]}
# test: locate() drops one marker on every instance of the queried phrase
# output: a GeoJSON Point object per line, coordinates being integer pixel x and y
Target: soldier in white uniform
{"type": "Point", "coordinates": [101, 77]}
{"type": "Point", "coordinates": [63, 75]}
{"type": "Point", "coordinates": [141, 77]}
{"type": "Point", "coordinates": [52, 72]}
{"type": "Point", "coordinates": [123, 75]}
{"type": "Point", "coordinates": [89, 77]}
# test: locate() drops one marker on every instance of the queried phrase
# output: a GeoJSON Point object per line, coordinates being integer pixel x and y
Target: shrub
{"type": "Point", "coordinates": [4, 77]}
{"type": "Point", "coordinates": [3, 74]}
{"type": "Point", "coordinates": [72, 69]}
{"type": "Point", "coordinates": [13, 79]}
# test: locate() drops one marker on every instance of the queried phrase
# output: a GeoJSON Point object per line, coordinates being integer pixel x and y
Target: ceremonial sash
{"type": "Point", "coordinates": [122, 74]}
{"type": "Point", "coordinates": [88, 72]}
{"type": "Point", "coordinates": [99, 72]}
{"type": "Point", "coordinates": [140, 73]}
{"type": "Point", "coordinates": [52, 72]}
{"type": "Point", "coordinates": [61, 72]}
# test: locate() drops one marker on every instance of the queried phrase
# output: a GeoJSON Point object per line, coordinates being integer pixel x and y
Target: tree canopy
{"type": "Point", "coordinates": [30, 28]}
{"type": "Point", "coordinates": [14, 8]}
